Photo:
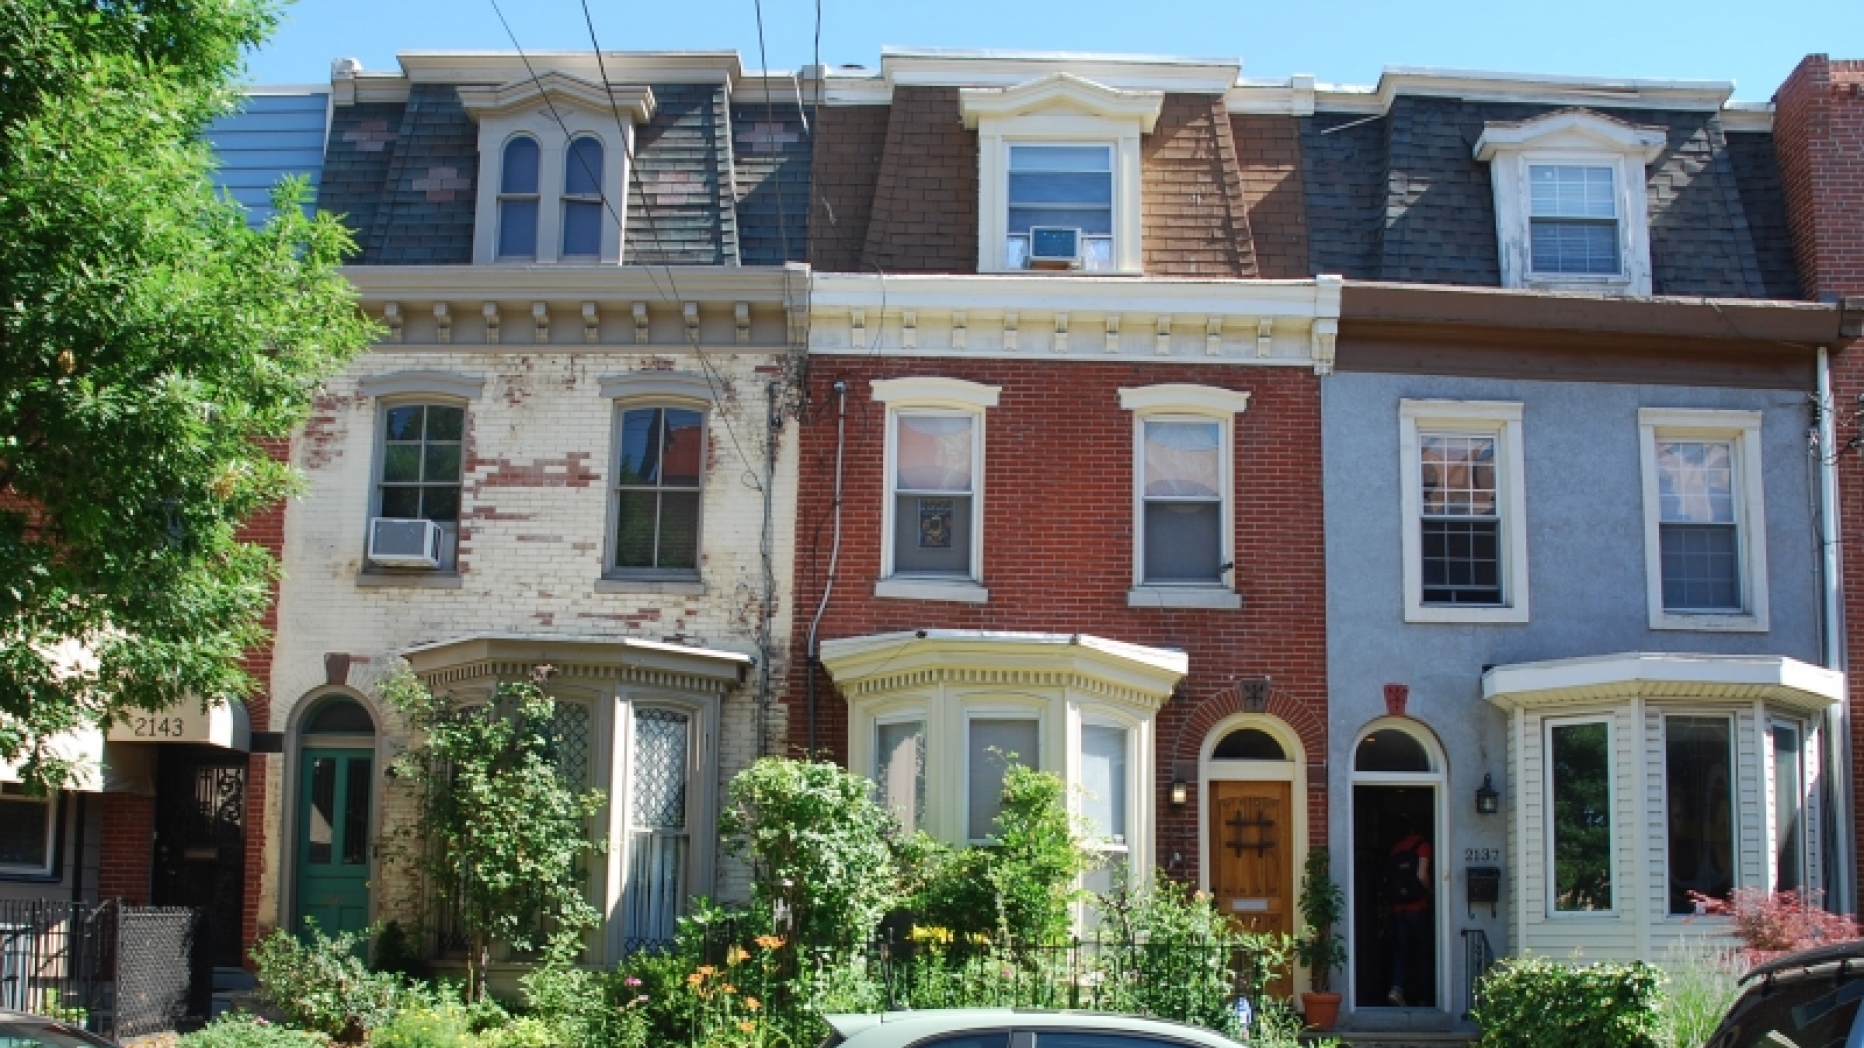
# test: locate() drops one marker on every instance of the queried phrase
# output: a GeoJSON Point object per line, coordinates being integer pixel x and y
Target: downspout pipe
{"type": "Point", "coordinates": [1841, 895]}
{"type": "Point", "coordinates": [834, 556]}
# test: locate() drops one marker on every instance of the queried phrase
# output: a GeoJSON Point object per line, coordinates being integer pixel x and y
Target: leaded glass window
{"type": "Point", "coordinates": [660, 770]}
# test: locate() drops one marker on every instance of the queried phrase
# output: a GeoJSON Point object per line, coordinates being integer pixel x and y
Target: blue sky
{"type": "Point", "coordinates": [1340, 41]}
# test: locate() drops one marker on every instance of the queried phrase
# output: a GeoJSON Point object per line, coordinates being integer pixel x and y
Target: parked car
{"type": "Point", "coordinates": [1013, 1028]}
{"type": "Point", "coordinates": [1801, 1000]}
{"type": "Point", "coordinates": [19, 1030]}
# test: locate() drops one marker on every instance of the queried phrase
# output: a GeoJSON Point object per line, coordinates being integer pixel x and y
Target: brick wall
{"type": "Point", "coordinates": [924, 217]}
{"type": "Point", "coordinates": [1192, 193]}
{"type": "Point", "coordinates": [1819, 133]}
{"type": "Point", "coordinates": [849, 141]}
{"type": "Point", "coordinates": [126, 847]}
{"type": "Point", "coordinates": [1268, 152]}
{"type": "Point", "coordinates": [1058, 545]}
{"type": "Point", "coordinates": [266, 529]}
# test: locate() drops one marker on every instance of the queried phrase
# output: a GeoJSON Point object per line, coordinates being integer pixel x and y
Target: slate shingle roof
{"type": "Point", "coordinates": [1402, 198]}
{"type": "Point", "coordinates": [430, 192]}
{"type": "Point", "coordinates": [1757, 177]}
{"type": "Point", "coordinates": [683, 173]}
{"type": "Point", "coordinates": [771, 153]}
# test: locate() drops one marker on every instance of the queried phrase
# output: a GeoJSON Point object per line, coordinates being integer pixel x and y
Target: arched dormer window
{"type": "Point", "coordinates": [517, 200]}
{"type": "Point", "coordinates": [582, 199]}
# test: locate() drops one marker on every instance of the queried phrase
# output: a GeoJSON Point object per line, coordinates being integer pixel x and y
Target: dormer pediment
{"type": "Point", "coordinates": [1061, 94]}
{"type": "Point", "coordinates": [563, 91]}
{"type": "Point", "coordinates": [1573, 130]}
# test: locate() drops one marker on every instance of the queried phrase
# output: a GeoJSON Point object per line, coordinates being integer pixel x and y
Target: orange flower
{"type": "Point", "coordinates": [729, 988]}
{"type": "Point", "coordinates": [706, 969]}
{"type": "Point", "coordinates": [735, 955]}
{"type": "Point", "coordinates": [769, 942]}
{"type": "Point", "coordinates": [694, 979]}
{"type": "Point", "coordinates": [747, 1026]}
{"type": "Point", "coordinates": [751, 1004]}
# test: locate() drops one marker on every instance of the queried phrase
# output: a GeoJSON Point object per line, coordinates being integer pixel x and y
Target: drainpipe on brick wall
{"type": "Point", "coordinates": [834, 554]}
{"type": "Point", "coordinates": [1841, 895]}
{"type": "Point", "coordinates": [766, 650]}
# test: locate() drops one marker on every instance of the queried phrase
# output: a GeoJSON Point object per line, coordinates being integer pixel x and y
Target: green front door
{"type": "Point", "coordinates": [333, 839]}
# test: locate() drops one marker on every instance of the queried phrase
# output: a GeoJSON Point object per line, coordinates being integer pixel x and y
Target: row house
{"type": "Point", "coordinates": [1420, 470]}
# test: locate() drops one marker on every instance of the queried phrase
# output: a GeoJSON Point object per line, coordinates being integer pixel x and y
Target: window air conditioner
{"type": "Point", "coordinates": [397, 543]}
{"type": "Point", "coordinates": [1053, 247]}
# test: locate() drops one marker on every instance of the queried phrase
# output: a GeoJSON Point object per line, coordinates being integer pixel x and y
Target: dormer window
{"type": "Point", "coordinates": [1058, 174]}
{"type": "Point", "coordinates": [1060, 207]}
{"type": "Point", "coordinates": [547, 192]}
{"type": "Point", "coordinates": [1573, 221]}
{"type": "Point", "coordinates": [582, 199]}
{"type": "Point", "coordinates": [1570, 209]}
{"type": "Point", "coordinates": [517, 201]}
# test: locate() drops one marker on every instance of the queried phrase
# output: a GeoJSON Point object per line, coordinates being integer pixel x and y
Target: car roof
{"type": "Point", "coordinates": [910, 1025]}
{"type": "Point", "coordinates": [1849, 950]}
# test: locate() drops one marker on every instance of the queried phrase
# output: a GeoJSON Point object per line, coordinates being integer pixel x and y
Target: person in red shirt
{"type": "Point", "coordinates": [1407, 898]}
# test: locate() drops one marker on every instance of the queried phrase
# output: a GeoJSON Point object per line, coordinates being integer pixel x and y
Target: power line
{"type": "Point", "coordinates": [713, 379]}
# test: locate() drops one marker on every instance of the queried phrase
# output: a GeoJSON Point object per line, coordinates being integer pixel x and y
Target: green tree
{"type": "Point", "coordinates": [820, 844]}
{"type": "Point", "coordinates": [151, 344]}
{"type": "Point", "coordinates": [500, 829]}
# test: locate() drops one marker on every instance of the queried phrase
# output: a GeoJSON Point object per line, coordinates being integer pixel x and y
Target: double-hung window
{"type": "Point", "coordinates": [421, 462]}
{"type": "Point", "coordinates": [932, 518]}
{"type": "Point", "coordinates": [517, 200]}
{"type": "Point", "coordinates": [582, 199]}
{"type": "Point", "coordinates": [1183, 481]}
{"type": "Point", "coordinates": [1465, 545]}
{"type": "Point", "coordinates": [1704, 519]}
{"type": "Point", "coordinates": [1059, 194]}
{"type": "Point", "coordinates": [1573, 220]}
{"type": "Point", "coordinates": [659, 468]}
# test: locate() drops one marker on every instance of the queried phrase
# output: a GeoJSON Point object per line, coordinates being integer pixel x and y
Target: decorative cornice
{"type": "Point", "coordinates": [1616, 678]}
{"type": "Point", "coordinates": [625, 659]}
{"type": "Point", "coordinates": [672, 384]}
{"type": "Point", "coordinates": [884, 664]}
{"type": "Point", "coordinates": [1064, 91]}
{"type": "Point", "coordinates": [1571, 128]}
{"type": "Point", "coordinates": [445, 383]}
{"type": "Point", "coordinates": [636, 103]}
{"type": "Point", "coordinates": [1069, 317]}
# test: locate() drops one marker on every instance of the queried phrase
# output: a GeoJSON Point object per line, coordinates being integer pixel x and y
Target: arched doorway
{"type": "Point", "coordinates": [335, 815]}
{"type": "Point", "coordinates": [1395, 891]}
{"type": "Point", "coordinates": [1253, 834]}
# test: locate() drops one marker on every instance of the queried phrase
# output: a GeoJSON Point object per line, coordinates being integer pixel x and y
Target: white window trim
{"type": "Point", "coordinates": [1186, 402]}
{"type": "Point", "coordinates": [624, 403]}
{"type": "Point", "coordinates": [701, 799]}
{"type": "Point", "coordinates": [1501, 419]}
{"type": "Point", "coordinates": [516, 109]}
{"type": "Point", "coordinates": [1743, 428]}
{"type": "Point", "coordinates": [952, 398]}
{"type": "Point", "coordinates": [1571, 138]}
{"type": "Point", "coordinates": [1736, 880]}
{"type": "Point", "coordinates": [1551, 882]}
{"type": "Point", "coordinates": [439, 395]}
{"type": "Point", "coordinates": [1061, 109]}
{"type": "Point", "coordinates": [51, 805]}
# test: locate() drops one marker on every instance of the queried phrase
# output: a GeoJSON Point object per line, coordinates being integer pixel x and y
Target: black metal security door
{"type": "Point", "coordinates": [200, 840]}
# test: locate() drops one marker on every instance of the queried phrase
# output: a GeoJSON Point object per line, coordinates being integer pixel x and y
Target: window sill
{"type": "Point", "coordinates": [1065, 273]}
{"type": "Point", "coordinates": [31, 877]}
{"type": "Point", "coordinates": [964, 591]}
{"type": "Point", "coordinates": [1578, 282]}
{"type": "Point", "coordinates": [624, 584]}
{"type": "Point", "coordinates": [1708, 622]}
{"type": "Point", "coordinates": [1211, 597]}
{"type": "Point", "coordinates": [446, 580]}
{"type": "Point", "coordinates": [1428, 613]}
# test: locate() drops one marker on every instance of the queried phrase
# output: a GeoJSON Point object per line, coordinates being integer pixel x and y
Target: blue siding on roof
{"type": "Point", "coordinates": [272, 136]}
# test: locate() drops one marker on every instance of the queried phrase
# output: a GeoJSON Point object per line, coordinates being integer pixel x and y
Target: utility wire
{"type": "Point", "coordinates": [713, 379]}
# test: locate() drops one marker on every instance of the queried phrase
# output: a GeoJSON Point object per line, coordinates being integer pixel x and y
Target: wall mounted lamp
{"type": "Point", "coordinates": [1180, 793]}
{"type": "Point", "coordinates": [1488, 802]}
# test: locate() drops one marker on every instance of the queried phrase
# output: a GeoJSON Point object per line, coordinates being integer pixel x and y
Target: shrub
{"type": "Point", "coordinates": [1781, 922]}
{"type": "Point", "coordinates": [1533, 1000]}
{"type": "Point", "coordinates": [1702, 981]}
{"type": "Point", "coordinates": [821, 843]}
{"type": "Point", "coordinates": [322, 984]}
{"type": "Point", "coordinates": [239, 1030]}
{"type": "Point", "coordinates": [446, 1026]}
{"type": "Point", "coordinates": [528, 1032]}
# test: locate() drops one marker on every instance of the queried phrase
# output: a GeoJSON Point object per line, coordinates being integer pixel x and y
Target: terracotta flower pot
{"type": "Point", "coordinates": [1322, 1009]}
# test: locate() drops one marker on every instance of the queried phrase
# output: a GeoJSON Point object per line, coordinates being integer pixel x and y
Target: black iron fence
{"type": "Point", "coordinates": [1478, 958]}
{"type": "Point", "coordinates": [124, 971]}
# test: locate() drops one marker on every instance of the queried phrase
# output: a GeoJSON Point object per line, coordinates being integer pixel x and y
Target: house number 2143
{"type": "Point", "coordinates": [157, 727]}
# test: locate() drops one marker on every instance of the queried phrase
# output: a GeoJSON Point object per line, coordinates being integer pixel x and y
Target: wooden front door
{"type": "Point", "coordinates": [333, 839]}
{"type": "Point", "coordinates": [1252, 859]}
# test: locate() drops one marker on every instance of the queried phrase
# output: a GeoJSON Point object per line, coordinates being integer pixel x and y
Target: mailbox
{"type": "Point", "coordinates": [1484, 886]}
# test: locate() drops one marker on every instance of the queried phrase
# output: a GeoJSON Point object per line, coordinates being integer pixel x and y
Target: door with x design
{"type": "Point", "coordinates": [1252, 858]}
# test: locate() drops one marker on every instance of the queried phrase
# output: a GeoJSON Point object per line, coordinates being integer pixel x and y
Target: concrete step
{"type": "Point", "coordinates": [233, 980]}
{"type": "Point", "coordinates": [1395, 1038]}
